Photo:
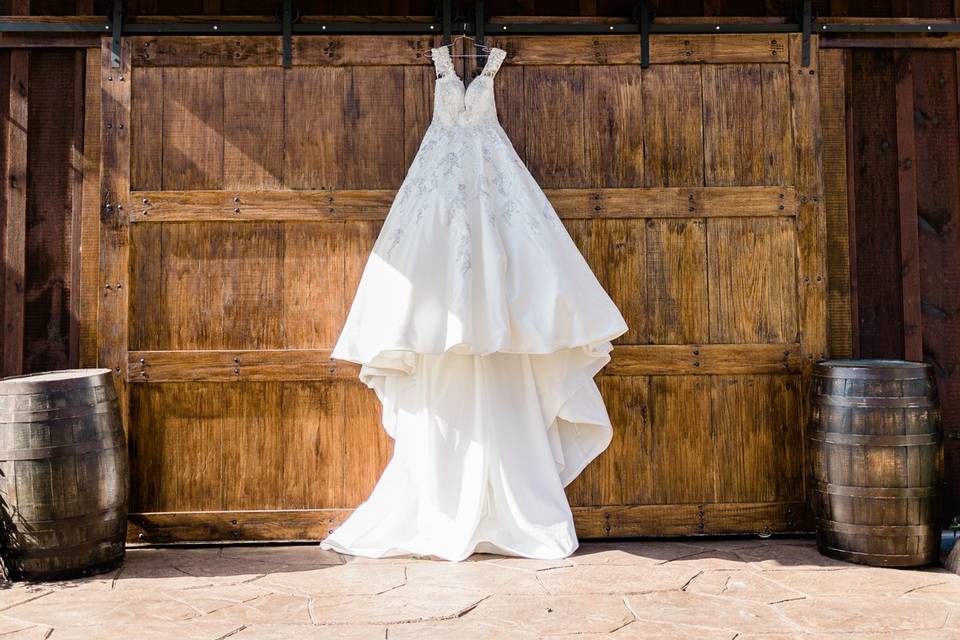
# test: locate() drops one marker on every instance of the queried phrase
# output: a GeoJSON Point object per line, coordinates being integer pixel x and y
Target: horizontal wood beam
{"type": "Point", "coordinates": [406, 50]}
{"type": "Point", "coordinates": [690, 519]}
{"type": "Point", "coordinates": [670, 202]}
{"type": "Point", "coordinates": [590, 522]}
{"type": "Point", "coordinates": [315, 364]}
{"type": "Point", "coordinates": [693, 359]}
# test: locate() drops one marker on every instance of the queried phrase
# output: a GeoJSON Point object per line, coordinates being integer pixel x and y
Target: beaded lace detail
{"type": "Point", "coordinates": [493, 62]}
{"type": "Point", "coordinates": [442, 61]}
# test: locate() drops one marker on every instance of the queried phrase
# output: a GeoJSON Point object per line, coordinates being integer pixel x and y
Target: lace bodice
{"type": "Point", "coordinates": [456, 105]}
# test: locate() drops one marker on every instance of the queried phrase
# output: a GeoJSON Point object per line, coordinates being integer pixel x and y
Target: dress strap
{"type": "Point", "coordinates": [494, 60]}
{"type": "Point", "coordinates": [442, 61]}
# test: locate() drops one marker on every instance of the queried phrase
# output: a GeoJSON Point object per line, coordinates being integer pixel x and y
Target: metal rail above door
{"type": "Point", "coordinates": [289, 23]}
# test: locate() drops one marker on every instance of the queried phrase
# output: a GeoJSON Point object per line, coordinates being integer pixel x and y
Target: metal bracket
{"type": "Point", "coordinates": [806, 22]}
{"type": "Point", "coordinates": [447, 18]}
{"type": "Point", "coordinates": [287, 19]}
{"type": "Point", "coordinates": [478, 23]}
{"type": "Point", "coordinates": [116, 27]}
{"type": "Point", "coordinates": [644, 14]}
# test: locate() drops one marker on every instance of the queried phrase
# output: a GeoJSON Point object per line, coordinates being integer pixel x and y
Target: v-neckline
{"type": "Point", "coordinates": [453, 67]}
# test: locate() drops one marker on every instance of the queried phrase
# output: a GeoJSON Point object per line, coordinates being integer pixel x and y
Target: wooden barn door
{"type": "Point", "coordinates": [693, 188]}
{"type": "Point", "coordinates": [241, 200]}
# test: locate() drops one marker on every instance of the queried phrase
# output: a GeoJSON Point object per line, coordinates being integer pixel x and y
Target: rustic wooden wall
{"type": "Point", "coordinates": [244, 200]}
{"type": "Point", "coordinates": [873, 110]}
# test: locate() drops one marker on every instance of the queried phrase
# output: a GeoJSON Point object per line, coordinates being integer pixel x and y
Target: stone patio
{"type": "Point", "coordinates": [743, 588]}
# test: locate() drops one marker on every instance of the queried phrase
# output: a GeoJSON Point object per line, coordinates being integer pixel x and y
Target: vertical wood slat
{"type": "Point", "coordinates": [15, 210]}
{"type": "Point", "coordinates": [834, 122]}
{"type": "Point", "coordinates": [907, 192]}
{"type": "Point", "coordinates": [811, 225]}
{"type": "Point", "coordinates": [76, 205]}
{"type": "Point", "coordinates": [114, 227]}
{"type": "Point", "coordinates": [90, 213]}
{"type": "Point", "coordinates": [851, 201]}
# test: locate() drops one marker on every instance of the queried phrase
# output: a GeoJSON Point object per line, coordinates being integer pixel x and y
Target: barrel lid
{"type": "Point", "coordinates": [49, 380]}
{"type": "Point", "coordinates": [872, 369]}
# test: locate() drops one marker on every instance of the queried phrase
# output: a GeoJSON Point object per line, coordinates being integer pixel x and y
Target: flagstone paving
{"type": "Point", "coordinates": [704, 588]}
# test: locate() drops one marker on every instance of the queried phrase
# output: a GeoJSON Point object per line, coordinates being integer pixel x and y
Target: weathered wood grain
{"type": "Point", "coordinates": [591, 522]}
{"type": "Point", "coordinates": [112, 333]}
{"type": "Point", "coordinates": [833, 120]}
{"type": "Point", "coordinates": [90, 212]}
{"type": "Point", "coordinates": [672, 126]}
{"type": "Point", "coordinates": [254, 441]}
{"type": "Point", "coordinates": [146, 134]}
{"type": "Point", "coordinates": [315, 364]}
{"type": "Point", "coordinates": [373, 204]}
{"type": "Point", "coordinates": [193, 128]}
{"type": "Point", "coordinates": [811, 223]}
{"type": "Point", "coordinates": [16, 111]}
{"type": "Point", "coordinates": [676, 269]}
{"type": "Point", "coordinates": [907, 201]}
{"type": "Point", "coordinates": [758, 419]}
{"type": "Point", "coordinates": [556, 160]}
{"type": "Point", "coordinates": [253, 135]}
{"type": "Point", "coordinates": [733, 136]}
{"type": "Point", "coordinates": [622, 49]}
{"type": "Point", "coordinates": [613, 111]}
{"type": "Point", "coordinates": [752, 280]}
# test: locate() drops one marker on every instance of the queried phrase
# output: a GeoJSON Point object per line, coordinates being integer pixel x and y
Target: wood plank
{"type": "Point", "coordinates": [314, 121]}
{"type": "Point", "coordinates": [112, 330]}
{"type": "Point", "coordinates": [623, 49]}
{"type": "Point", "coordinates": [759, 437]}
{"type": "Point", "coordinates": [703, 359]}
{"type": "Point", "coordinates": [833, 119]}
{"type": "Point", "coordinates": [590, 521]}
{"type": "Point", "coordinates": [554, 99]}
{"type": "Point", "coordinates": [373, 204]}
{"type": "Point", "coordinates": [222, 286]}
{"type": "Point", "coordinates": [193, 128]}
{"type": "Point", "coordinates": [511, 105]}
{"type": "Point", "coordinates": [367, 448]}
{"type": "Point", "coordinates": [616, 255]}
{"type": "Point", "coordinates": [316, 364]}
{"type": "Point", "coordinates": [937, 92]}
{"type": "Point", "coordinates": [613, 108]}
{"type": "Point", "coordinates": [357, 51]}
{"type": "Point", "coordinates": [673, 126]}
{"type": "Point", "coordinates": [260, 51]}
{"type": "Point", "coordinates": [907, 200]}
{"type": "Point", "coordinates": [811, 224]}
{"type": "Point", "coordinates": [875, 267]}
{"type": "Point", "coordinates": [189, 443]}
{"type": "Point", "coordinates": [676, 269]}
{"type": "Point", "coordinates": [144, 447]}
{"type": "Point", "coordinates": [146, 133]}
{"type": "Point", "coordinates": [254, 440]}
{"type": "Point", "coordinates": [778, 157]}
{"type": "Point", "coordinates": [255, 525]}
{"type": "Point", "coordinates": [314, 457]}
{"type": "Point", "coordinates": [418, 85]}
{"type": "Point", "coordinates": [52, 211]}
{"type": "Point", "coordinates": [623, 473]}
{"type": "Point", "coordinates": [16, 110]}
{"type": "Point", "coordinates": [703, 518]}
{"type": "Point", "coordinates": [90, 213]}
{"type": "Point", "coordinates": [752, 280]}
{"type": "Point", "coordinates": [683, 443]}
{"type": "Point", "coordinates": [314, 273]}
{"type": "Point", "coordinates": [253, 133]}
{"type": "Point", "coordinates": [733, 136]}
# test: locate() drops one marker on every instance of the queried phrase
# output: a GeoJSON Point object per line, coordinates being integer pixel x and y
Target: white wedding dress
{"type": "Point", "coordinates": [480, 327]}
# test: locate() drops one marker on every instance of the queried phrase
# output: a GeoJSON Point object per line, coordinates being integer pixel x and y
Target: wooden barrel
{"type": "Point", "coordinates": [63, 475]}
{"type": "Point", "coordinates": [876, 461]}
